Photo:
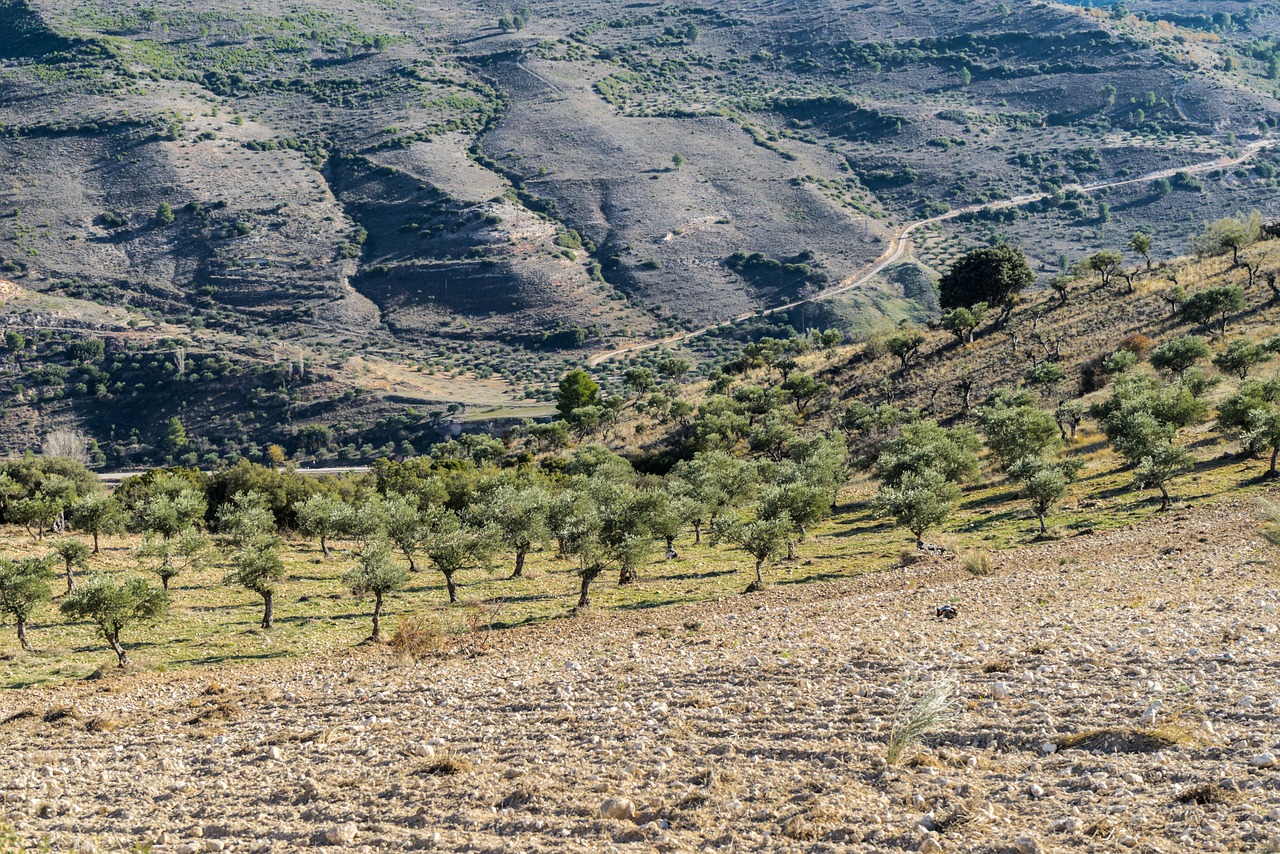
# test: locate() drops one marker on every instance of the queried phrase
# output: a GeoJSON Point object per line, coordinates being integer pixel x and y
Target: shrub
{"type": "Point", "coordinates": [418, 637]}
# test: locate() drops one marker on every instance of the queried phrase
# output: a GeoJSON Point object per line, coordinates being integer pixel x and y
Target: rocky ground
{"type": "Point", "coordinates": [1116, 691]}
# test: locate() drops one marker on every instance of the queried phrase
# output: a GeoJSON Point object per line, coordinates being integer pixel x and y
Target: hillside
{"type": "Point", "coordinates": [1114, 693]}
{"type": "Point", "coordinates": [422, 186]}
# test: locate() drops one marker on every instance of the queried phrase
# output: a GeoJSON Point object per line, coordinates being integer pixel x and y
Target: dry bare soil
{"type": "Point", "coordinates": [1116, 691]}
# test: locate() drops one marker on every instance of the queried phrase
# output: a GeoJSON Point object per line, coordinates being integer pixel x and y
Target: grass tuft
{"type": "Point", "coordinates": [418, 637]}
{"type": "Point", "coordinates": [1207, 794]}
{"type": "Point", "coordinates": [1119, 740]}
{"type": "Point", "coordinates": [913, 721]}
{"type": "Point", "coordinates": [448, 764]}
{"type": "Point", "coordinates": [977, 562]}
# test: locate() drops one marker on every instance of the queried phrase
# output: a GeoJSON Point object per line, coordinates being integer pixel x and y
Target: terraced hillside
{"type": "Point", "coordinates": [459, 189]}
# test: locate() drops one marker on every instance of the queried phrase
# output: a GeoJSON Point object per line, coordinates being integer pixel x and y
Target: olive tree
{"type": "Point", "coordinates": [1016, 428]}
{"type": "Point", "coordinates": [116, 607]}
{"type": "Point", "coordinates": [245, 518]}
{"type": "Point", "coordinates": [169, 514]}
{"type": "Point", "coordinates": [376, 574]}
{"type": "Point", "coordinates": [257, 567]}
{"type": "Point", "coordinates": [97, 515]}
{"type": "Point", "coordinates": [713, 482]}
{"type": "Point", "coordinates": [404, 526]}
{"type": "Point", "coordinates": [1241, 356]}
{"type": "Point", "coordinates": [903, 345]}
{"type": "Point", "coordinates": [1179, 354]}
{"type": "Point", "coordinates": [1162, 463]}
{"type": "Point", "coordinates": [43, 508]}
{"type": "Point", "coordinates": [169, 558]}
{"type": "Point", "coordinates": [919, 501]}
{"type": "Point", "coordinates": [614, 533]}
{"type": "Point", "coordinates": [1044, 484]}
{"type": "Point", "coordinates": [802, 505]}
{"type": "Point", "coordinates": [324, 517]}
{"type": "Point", "coordinates": [1230, 234]}
{"type": "Point", "coordinates": [923, 444]}
{"type": "Point", "coordinates": [764, 539]}
{"type": "Point", "coordinates": [1216, 303]}
{"type": "Point", "coordinates": [24, 586]}
{"type": "Point", "coordinates": [453, 544]}
{"type": "Point", "coordinates": [1105, 263]}
{"type": "Point", "coordinates": [919, 471]}
{"type": "Point", "coordinates": [1141, 243]}
{"type": "Point", "coordinates": [520, 515]}
{"type": "Point", "coordinates": [963, 321]}
{"type": "Point", "coordinates": [1253, 414]}
{"type": "Point", "coordinates": [74, 553]}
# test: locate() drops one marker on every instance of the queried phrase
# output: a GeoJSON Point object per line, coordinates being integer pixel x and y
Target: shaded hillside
{"type": "Point", "coordinates": [425, 184]}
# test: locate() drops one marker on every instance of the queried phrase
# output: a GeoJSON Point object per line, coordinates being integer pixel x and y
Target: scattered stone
{"type": "Point", "coordinates": [619, 809]}
{"type": "Point", "coordinates": [1263, 760]}
{"type": "Point", "coordinates": [931, 844]}
{"type": "Point", "coordinates": [1027, 845]}
{"type": "Point", "coordinates": [999, 692]}
{"type": "Point", "coordinates": [342, 834]}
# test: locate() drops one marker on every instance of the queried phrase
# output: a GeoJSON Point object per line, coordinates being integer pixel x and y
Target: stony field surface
{"type": "Point", "coordinates": [1117, 691]}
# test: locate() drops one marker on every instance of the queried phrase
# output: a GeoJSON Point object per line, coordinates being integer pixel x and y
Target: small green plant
{"type": "Point", "coordinates": [977, 562]}
{"type": "Point", "coordinates": [915, 720]}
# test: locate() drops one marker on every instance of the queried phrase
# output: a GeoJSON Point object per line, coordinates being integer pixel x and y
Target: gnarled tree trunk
{"type": "Point", "coordinates": [376, 637]}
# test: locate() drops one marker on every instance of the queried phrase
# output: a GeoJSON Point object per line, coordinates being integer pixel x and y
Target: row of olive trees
{"type": "Point", "coordinates": [921, 465]}
{"type": "Point", "coordinates": [594, 509]}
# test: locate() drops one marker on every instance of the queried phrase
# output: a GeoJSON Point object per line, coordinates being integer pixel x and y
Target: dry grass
{"type": "Point", "coordinates": [910, 557]}
{"type": "Point", "coordinates": [1120, 740]}
{"type": "Point", "coordinates": [419, 637]}
{"type": "Point", "coordinates": [448, 764]}
{"type": "Point", "coordinates": [219, 709]}
{"type": "Point", "coordinates": [1207, 794]}
{"type": "Point", "coordinates": [977, 562]}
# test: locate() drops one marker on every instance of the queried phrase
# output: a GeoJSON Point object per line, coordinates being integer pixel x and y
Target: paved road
{"type": "Point", "coordinates": [900, 244]}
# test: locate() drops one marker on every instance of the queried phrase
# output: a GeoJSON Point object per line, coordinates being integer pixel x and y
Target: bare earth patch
{"type": "Point", "coordinates": [1134, 706]}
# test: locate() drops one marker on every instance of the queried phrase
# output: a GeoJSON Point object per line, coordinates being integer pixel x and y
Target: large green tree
{"type": "Point", "coordinates": [577, 390]}
{"type": "Point", "coordinates": [993, 275]}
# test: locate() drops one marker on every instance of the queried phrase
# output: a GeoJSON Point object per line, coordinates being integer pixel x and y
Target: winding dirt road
{"type": "Point", "coordinates": [900, 244]}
